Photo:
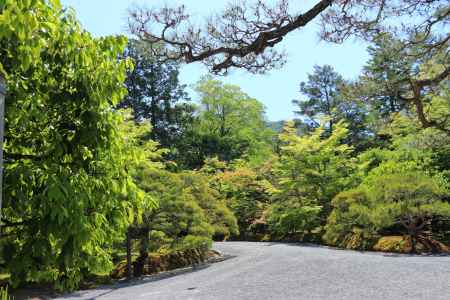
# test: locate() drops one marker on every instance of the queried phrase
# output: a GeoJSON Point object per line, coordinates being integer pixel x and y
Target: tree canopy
{"type": "Point", "coordinates": [155, 94]}
{"type": "Point", "coordinates": [67, 191]}
{"type": "Point", "coordinates": [229, 125]}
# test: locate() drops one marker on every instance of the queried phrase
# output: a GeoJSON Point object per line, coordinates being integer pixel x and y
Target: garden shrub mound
{"type": "Point", "coordinates": [356, 240]}
{"type": "Point", "coordinates": [402, 244]}
{"type": "Point", "coordinates": [157, 262]}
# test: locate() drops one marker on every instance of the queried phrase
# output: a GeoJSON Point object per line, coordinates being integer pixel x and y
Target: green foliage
{"type": "Point", "coordinates": [312, 169]}
{"type": "Point", "coordinates": [155, 94]}
{"type": "Point", "coordinates": [323, 96]}
{"type": "Point", "coordinates": [384, 74]}
{"type": "Point", "coordinates": [210, 200]}
{"type": "Point", "coordinates": [348, 225]}
{"type": "Point", "coordinates": [394, 196]}
{"type": "Point", "coordinates": [410, 145]}
{"type": "Point", "coordinates": [293, 217]}
{"type": "Point", "coordinates": [412, 166]}
{"type": "Point", "coordinates": [406, 195]}
{"type": "Point", "coordinates": [190, 212]}
{"type": "Point", "coordinates": [247, 193]}
{"type": "Point", "coordinates": [230, 125]}
{"type": "Point", "coordinates": [139, 152]}
{"type": "Point", "coordinates": [329, 101]}
{"type": "Point", "coordinates": [68, 194]}
{"type": "Point", "coordinates": [179, 221]}
{"type": "Point", "coordinates": [309, 172]}
{"type": "Point", "coordinates": [79, 171]}
{"type": "Point", "coordinates": [4, 293]}
{"type": "Point", "coordinates": [389, 83]}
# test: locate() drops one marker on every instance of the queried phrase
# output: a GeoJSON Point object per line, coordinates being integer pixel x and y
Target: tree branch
{"type": "Point", "coordinates": [237, 39]}
{"type": "Point", "coordinates": [435, 80]}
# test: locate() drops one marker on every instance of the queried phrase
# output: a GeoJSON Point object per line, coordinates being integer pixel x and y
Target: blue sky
{"type": "Point", "coordinates": [275, 89]}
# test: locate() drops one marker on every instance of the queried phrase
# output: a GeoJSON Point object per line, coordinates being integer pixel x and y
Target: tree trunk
{"type": "Point", "coordinates": [413, 242]}
{"type": "Point", "coordinates": [141, 261]}
{"type": "Point", "coordinates": [129, 271]}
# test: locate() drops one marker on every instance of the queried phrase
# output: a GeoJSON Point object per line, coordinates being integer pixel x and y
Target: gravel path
{"type": "Point", "coordinates": [290, 271]}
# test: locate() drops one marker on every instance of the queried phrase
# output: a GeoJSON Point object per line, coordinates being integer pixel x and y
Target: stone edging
{"type": "Point", "coordinates": [174, 272]}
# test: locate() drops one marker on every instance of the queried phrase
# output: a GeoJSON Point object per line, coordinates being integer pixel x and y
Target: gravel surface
{"type": "Point", "coordinates": [292, 271]}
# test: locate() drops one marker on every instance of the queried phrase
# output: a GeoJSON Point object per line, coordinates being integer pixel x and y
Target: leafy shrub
{"type": "Point", "coordinates": [247, 194]}
{"type": "Point", "coordinates": [310, 171]}
{"type": "Point", "coordinates": [390, 198]}
{"type": "Point", "coordinates": [292, 219]}
{"type": "Point", "coordinates": [348, 225]}
{"type": "Point", "coordinates": [213, 204]}
{"type": "Point", "coordinates": [179, 221]}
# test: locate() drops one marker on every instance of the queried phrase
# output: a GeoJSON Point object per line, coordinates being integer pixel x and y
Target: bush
{"type": "Point", "coordinates": [310, 171]}
{"type": "Point", "coordinates": [292, 219]}
{"type": "Point", "coordinates": [179, 222]}
{"type": "Point", "coordinates": [247, 194]}
{"type": "Point", "coordinates": [406, 203]}
{"type": "Point", "coordinates": [213, 204]}
{"type": "Point", "coordinates": [347, 225]}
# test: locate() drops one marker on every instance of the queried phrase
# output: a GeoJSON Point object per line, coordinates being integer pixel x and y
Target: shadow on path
{"type": "Point", "coordinates": [110, 288]}
{"type": "Point", "coordinates": [367, 252]}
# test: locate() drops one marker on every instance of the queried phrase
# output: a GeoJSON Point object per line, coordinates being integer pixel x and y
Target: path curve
{"type": "Point", "coordinates": [292, 271]}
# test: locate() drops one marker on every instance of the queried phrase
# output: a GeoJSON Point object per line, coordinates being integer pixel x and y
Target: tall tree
{"type": "Point", "coordinates": [323, 96]}
{"type": "Point", "coordinates": [230, 124]}
{"type": "Point", "coordinates": [155, 94]}
{"type": "Point", "coordinates": [67, 190]}
{"type": "Point", "coordinates": [381, 75]}
{"type": "Point", "coordinates": [327, 101]}
{"type": "Point", "coordinates": [311, 170]}
{"type": "Point", "coordinates": [408, 78]}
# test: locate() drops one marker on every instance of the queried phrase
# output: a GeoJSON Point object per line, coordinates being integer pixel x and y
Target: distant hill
{"type": "Point", "coordinates": [277, 126]}
{"type": "Point", "coordinates": [302, 127]}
